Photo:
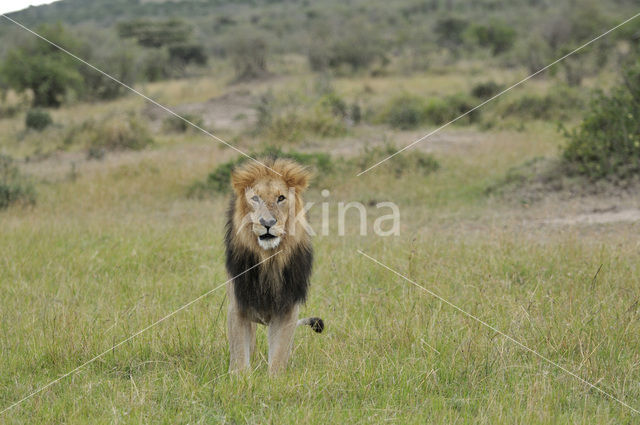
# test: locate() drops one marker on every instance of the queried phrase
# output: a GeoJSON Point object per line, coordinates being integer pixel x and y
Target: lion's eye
{"type": "Point", "coordinates": [255, 198]}
{"type": "Point", "coordinates": [281, 198]}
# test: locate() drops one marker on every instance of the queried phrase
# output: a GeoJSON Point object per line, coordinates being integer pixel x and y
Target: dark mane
{"type": "Point", "coordinates": [264, 289]}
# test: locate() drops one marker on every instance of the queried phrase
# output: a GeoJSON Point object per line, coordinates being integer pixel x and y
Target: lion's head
{"type": "Point", "coordinates": [267, 204]}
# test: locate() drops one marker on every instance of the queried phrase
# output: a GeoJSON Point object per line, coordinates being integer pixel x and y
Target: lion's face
{"type": "Point", "coordinates": [267, 204]}
{"type": "Point", "coordinates": [269, 210]}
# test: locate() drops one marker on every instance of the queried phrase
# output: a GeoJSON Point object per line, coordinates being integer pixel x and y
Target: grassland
{"type": "Point", "coordinates": [113, 245]}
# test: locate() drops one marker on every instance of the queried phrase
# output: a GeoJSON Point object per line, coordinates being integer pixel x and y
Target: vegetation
{"type": "Point", "coordinates": [149, 33]}
{"type": "Point", "coordinates": [351, 48]}
{"type": "Point", "coordinates": [417, 164]}
{"type": "Point", "coordinates": [496, 35]}
{"type": "Point", "coordinates": [112, 133]}
{"type": "Point", "coordinates": [486, 90]}
{"type": "Point", "coordinates": [112, 246]}
{"type": "Point", "coordinates": [249, 57]}
{"type": "Point", "coordinates": [14, 187]}
{"type": "Point", "coordinates": [291, 116]}
{"type": "Point", "coordinates": [217, 182]}
{"type": "Point", "coordinates": [41, 68]}
{"type": "Point", "coordinates": [38, 119]}
{"type": "Point", "coordinates": [607, 142]}
{"type": "Point", "coordinates": [407, 111]}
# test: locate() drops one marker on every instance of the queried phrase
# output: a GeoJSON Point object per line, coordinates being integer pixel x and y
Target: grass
{"type": "Point", "coordinates": [119, 246]}
{"type": "Point", "coordinates": [390, 352]}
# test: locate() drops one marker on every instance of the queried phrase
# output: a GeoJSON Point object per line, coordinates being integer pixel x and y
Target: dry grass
{"type": "Point", "coordinates": [118, 245]}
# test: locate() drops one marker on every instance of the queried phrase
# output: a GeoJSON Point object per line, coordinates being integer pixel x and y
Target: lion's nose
{"type": "Point", "coordinates": [267, 223]}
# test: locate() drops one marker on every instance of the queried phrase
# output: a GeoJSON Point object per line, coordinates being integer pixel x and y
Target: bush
{"type": "Point", "coordinates": [450, 31]}
{"type": "Point", "coordinates": [323, 165]}
{"type": "Point", "coordinates": [156, 65]}
{"type": "Point", "coordinates": [14, 187]}
{"type": "Point", "coordinates": [412, 163]}
{"type": "Point", "coordinates": [38, 119]}
{"type": "Point", "coordinates": [441, 111]}
{"type": "Point", "coordinates": [408, 111]}
{"type": "Point", "coordinates": [218, 181]}
{"type": "Point", "coordinates": [353, 47]}
{"type": "Point", "coordinates": [178, 125]}
{"type": "Point", "coordinates": [187, 53]}
{"type": "Point", "coordinates": [42, 69]}
{"type": "Point", "coordinates": [117, 132]}
{"type": "Point", "coordinates": [556, 104]}
{"type": "Point", "coordinates": [120, 133]}
{"type": "Point", "coordinates": [486, 90]}
{"type": "Point", "coordinates": [497, 36]}
{"type": "Point", "coordinates": [405, 112]}
{"type": "Point", "coordinates": [118, 58]}
{"type": "Point", "coordinates": [607, 142]}
{"type": "Point", "coordinates": [249, 58]}
{"type": "Point", "coordinates": [292, 116]}
{"type": "Point", "coordinates": [154, 33]}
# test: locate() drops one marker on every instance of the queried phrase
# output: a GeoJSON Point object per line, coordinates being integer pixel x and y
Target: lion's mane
{"type": "Point", "coordinates": [282, 281]}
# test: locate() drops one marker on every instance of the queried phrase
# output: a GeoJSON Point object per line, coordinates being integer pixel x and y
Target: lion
{"type": "Point", "coordinates": [268, 258]}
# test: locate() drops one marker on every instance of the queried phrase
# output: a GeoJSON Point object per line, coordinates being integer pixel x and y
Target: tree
{"type": "Point", "coordinates": [42, 68]}
{"type": "Point", "coordinates": [450, 31]}
{"type": "Point", "coordinates": [497, 36]}
{"type": "Point", "coordinates": [151, 33]}
{"type": "Point", "coordinates": [607, 141]}
{"type": "Point", "coordinates": [249, 57]}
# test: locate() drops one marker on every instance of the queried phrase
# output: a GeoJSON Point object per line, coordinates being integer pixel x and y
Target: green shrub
{"type": "Point", "coordinates": [120, 133]}
{"type": "Point", "coordinates": [497, 36]}
{"type": "Point", "coordinates": [116, 132]}
{"type": "Point", "coordinates": [186, 53]}
{"type": "Point", "coordinates": [45, 71]}
{"type": "Point", "coordinates": [405, 112]}
{"type": "Point", "coordinates": [441, 111]}
{"type": "Point", "coordinates": [290, 117]}
{"type": "Point", "coordinates": [412, 163]}
{"type": "Point", "coordinates": [14, 187]}
{"type": "Point", "coordinates": [118, 58]}
{"type": "Point", "coordinates": [607, 141]}
{"type": "Point", "coordinates": [218, 181]}
{"type": "Point", "coordinates": [155, 33]}
{"type": "Point", "coordinates": [38, 119]}
{"type": "Point", "coordinates": [486, 90]}
{"type": "Point", "coordinates": [324, 166]}
{"type": "Point", "coordinates": [450, 31]}
{"type": "Point", "coordinates": [352, 47]}
{"type": "Point", "coordinates": [408, 111]}
{"type": "Point", "coordinates": [249, 57]}
{"type": "Point", "coordinates": [177, 125]}
{"type": "Point", "coordinates": [557, 103]}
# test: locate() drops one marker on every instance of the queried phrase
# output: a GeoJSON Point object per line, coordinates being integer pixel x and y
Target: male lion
{"type": "Point", "coordinates": [266, 217]}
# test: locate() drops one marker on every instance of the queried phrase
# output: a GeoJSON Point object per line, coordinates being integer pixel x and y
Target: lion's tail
{"type": "Point", "coordinates": [316, 323]}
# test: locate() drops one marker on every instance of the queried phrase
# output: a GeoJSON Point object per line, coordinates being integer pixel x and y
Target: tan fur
{"type": "Point", "coordinates": [282, 178]}
{"type": "Point", "coordinates": [269, 185]}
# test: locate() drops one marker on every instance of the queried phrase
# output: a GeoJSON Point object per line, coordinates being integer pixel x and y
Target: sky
{"type": "Point", "coordinates": [14, 5]}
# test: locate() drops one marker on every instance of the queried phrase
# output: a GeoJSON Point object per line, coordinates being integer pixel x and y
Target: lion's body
{"type": "Point", "coordinates": [273, 287]}
{"type": "Point", "coordinates": [269, 258]}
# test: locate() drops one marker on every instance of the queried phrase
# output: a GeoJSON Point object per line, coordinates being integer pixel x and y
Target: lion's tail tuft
{"type": "Point", "coordinates": [316, 323]}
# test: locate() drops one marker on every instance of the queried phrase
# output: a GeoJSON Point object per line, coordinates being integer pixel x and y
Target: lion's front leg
{"type": "Point", "coordinates": [280, 336]}
{"type": "Point", "coordinates": [241, 333]}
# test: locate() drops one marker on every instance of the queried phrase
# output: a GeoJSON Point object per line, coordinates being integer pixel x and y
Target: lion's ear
{"type": "Point", "coordinates": [296, 176]}
{"type": "Point", "coordinates": [242, 178]}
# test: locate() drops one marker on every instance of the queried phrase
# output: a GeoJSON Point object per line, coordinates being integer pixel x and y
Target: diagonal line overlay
{"type": "Point", "coordinates": [498, 95]}
{"type": "Point", "coordinates": [130, 338]}
{"type": "Point", "coordinates": [147, 98]}
{"type": "Point", "coordinates": [515, 341]}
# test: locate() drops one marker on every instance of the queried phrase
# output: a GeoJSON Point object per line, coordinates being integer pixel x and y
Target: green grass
{"type": "Point", "coordinates": [119, 246]}
{"type": "Point", "coordinates": [390, 351]}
